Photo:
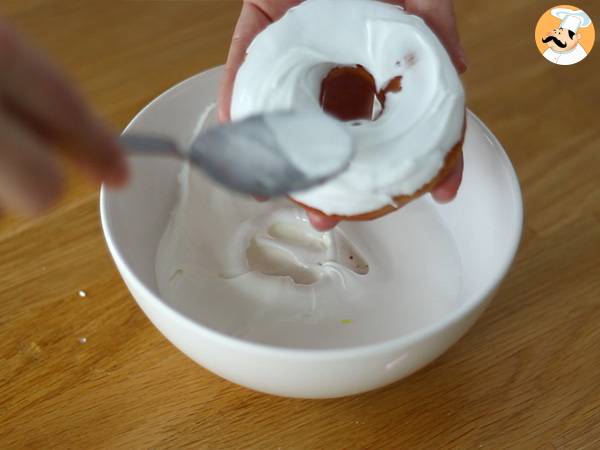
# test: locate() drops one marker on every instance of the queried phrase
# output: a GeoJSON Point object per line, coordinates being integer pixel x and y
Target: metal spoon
{"type": "Point", "coordinates": [266, 155]}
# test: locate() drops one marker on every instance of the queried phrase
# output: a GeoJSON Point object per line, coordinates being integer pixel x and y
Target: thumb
{"type": "Point", "coordinates": [251, 22]}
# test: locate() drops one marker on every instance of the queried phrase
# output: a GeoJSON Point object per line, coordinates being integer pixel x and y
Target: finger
{"type": "Point", "coordinates": [29, 178]}
{"type": "Point", "coordinates": [34, 89]}
{"type": "Point", "coordinates": [439, 15]}
{"type": "Point", "coordinates": [256, 15]}
{"type": "Point", "coordinates": [321, 222]}
{"type": "Point", "coordinates": [251, 22]}
{"type": "Point", "coordinates": [447, 189]}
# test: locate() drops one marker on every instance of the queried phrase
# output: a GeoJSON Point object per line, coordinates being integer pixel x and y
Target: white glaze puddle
{"type": "Point", "coordinates": [248, 270]}
{"type": "Point", "coordinates": [258, 271]}
{"type": "Point", "coordinates": [294, 249]}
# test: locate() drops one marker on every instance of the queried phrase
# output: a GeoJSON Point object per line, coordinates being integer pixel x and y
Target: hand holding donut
{"type": "Point", "coordinates": [256, 15]}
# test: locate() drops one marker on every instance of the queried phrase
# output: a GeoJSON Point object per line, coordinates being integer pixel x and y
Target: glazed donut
{"type": "Point", "coordinates": [381, 71]}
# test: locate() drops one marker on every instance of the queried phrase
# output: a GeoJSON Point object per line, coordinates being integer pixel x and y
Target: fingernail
{"type": "Point", "coordinates": [444, 195]}
{"type": "Point", "coordinates": [224, 116]}
{"type": "Point", "coordinates": [443, 200]}
{"type": "Point", "coordinates": [462, 58]}
{"type": "Point", "coordinates": [115, 167]}
{"type": "Point", "coordinates": [118, 174]}
{"type": "Point", "coordinates": [321, 222]}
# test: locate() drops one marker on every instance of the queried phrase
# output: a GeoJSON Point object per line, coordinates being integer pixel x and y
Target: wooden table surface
{"type": "Point", "coordinates": [526, 376]}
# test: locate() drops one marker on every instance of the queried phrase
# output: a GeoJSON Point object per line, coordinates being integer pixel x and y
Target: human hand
{"type": "Point", "coordinates": [256, 15]}
{"type": "Point", "coordinates": [41, 113]}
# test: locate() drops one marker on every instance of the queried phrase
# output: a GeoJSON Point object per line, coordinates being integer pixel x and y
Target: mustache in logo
{"type": "Point", "coordinates": [556, 41]}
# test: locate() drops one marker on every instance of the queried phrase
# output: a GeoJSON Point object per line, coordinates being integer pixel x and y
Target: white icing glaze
{"type": "Point", "coordinates": [233, 249]}
{"type": "Point", "coordinates": [406, 146]}
{"type": "Point", "coordinates": [225, 244]}
{"type": "Point", "coordinates": [261, 272]}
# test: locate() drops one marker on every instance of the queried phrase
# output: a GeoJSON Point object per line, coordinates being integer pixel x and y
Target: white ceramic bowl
{"type": "Point", "coordinates": [485, 222]}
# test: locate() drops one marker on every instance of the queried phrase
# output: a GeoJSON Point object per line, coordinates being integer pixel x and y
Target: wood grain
{"type": "Point", "coordinates": [525, 377]}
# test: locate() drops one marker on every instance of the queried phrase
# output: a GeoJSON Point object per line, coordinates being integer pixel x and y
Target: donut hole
{"type": "Point", "coordinates": [349, 93]}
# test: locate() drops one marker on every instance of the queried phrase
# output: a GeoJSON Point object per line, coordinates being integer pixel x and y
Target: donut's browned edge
{"type": "Point", "coordinates": [450, 160]}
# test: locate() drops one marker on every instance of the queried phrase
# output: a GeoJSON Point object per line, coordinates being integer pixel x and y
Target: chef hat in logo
{"type": "Point", "coordinates": [570, 19]}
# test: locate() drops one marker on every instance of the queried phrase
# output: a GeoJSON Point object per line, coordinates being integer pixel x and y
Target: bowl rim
{"type": "Point", "coordinates": [386, 346]}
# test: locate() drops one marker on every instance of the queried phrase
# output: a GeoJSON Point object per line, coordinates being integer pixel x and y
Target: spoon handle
{"type": "Point", "coordinates": [142, 144]}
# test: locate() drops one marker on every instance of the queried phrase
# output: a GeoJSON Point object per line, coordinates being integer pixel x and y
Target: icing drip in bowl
{"type": "Point", "coordinates": [294, 249]}
{"type": "Point", "coordinates": [258, 271]}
